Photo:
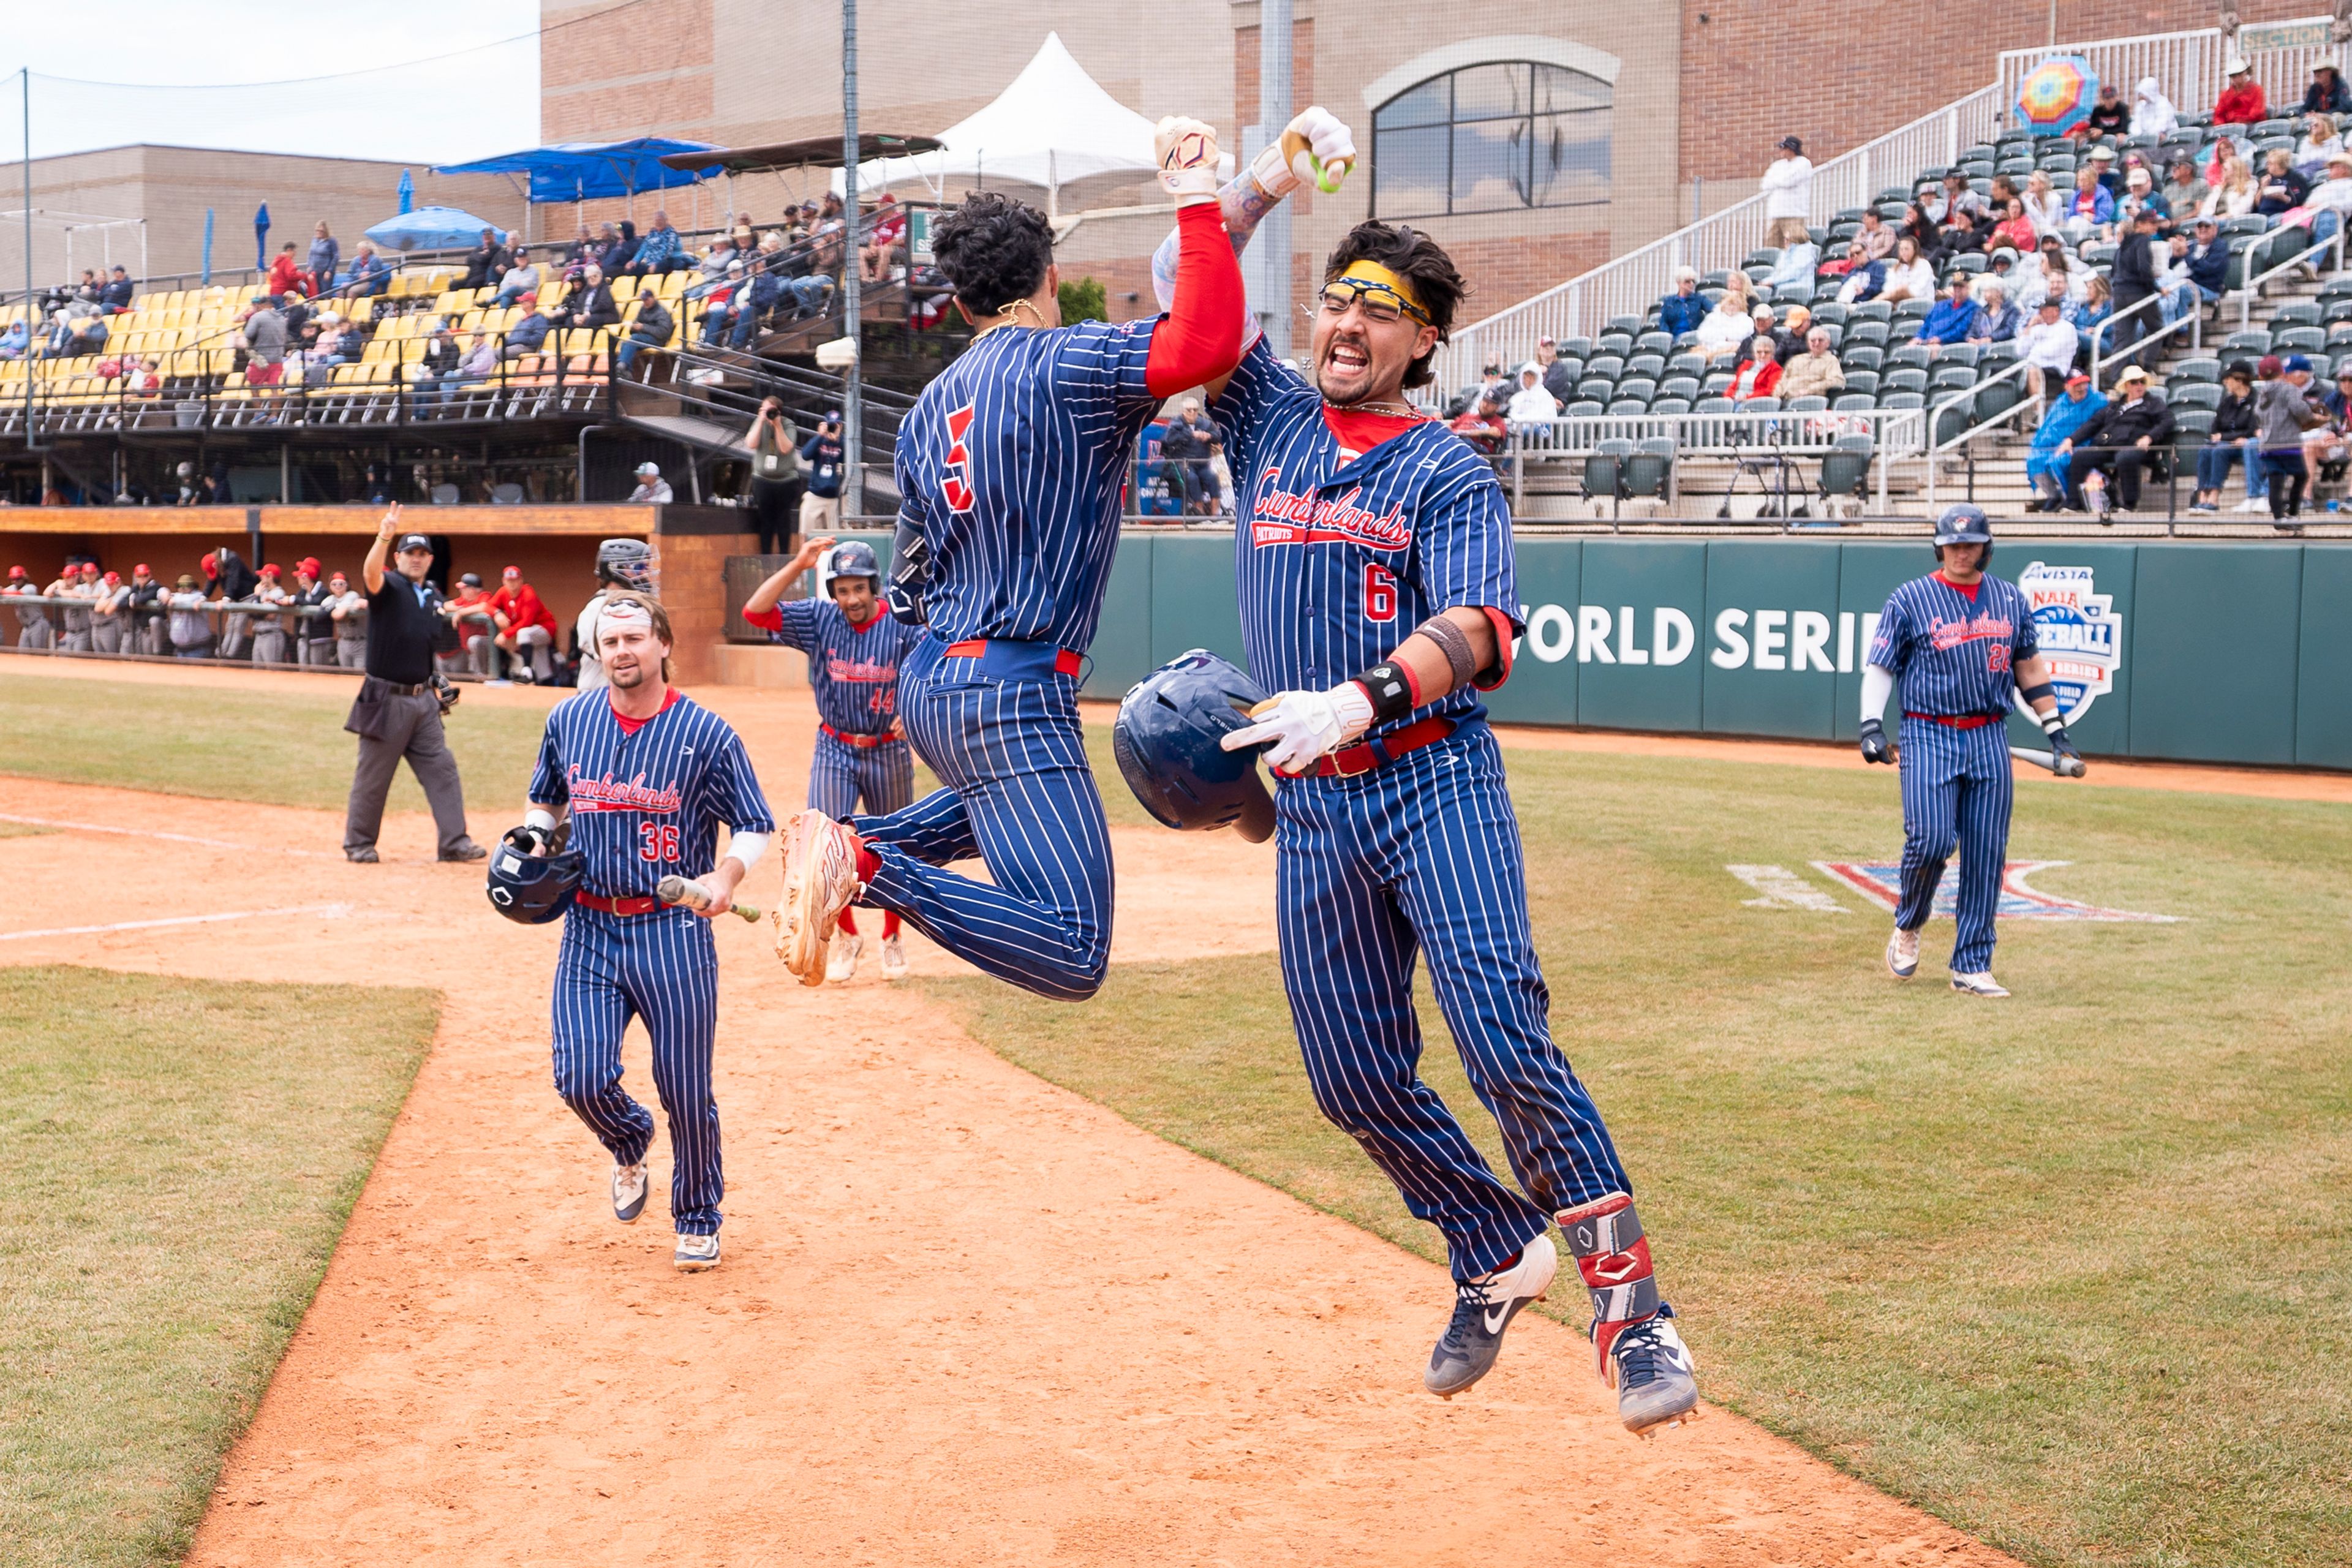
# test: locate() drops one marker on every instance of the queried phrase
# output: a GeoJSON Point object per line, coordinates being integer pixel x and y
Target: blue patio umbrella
{"type": "Point", "coordinates": [261, 237]}
{"type": "Point", "coordinates": [407, 191]}
{"type": "Point", "coordinates": [431, 228]}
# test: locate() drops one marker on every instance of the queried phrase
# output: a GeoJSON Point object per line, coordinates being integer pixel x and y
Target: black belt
{"type": "Point", "coordinates": [397, 690]}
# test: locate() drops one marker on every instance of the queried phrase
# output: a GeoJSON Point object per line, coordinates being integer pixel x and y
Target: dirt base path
{"type": "Point", "coordinates": [965, 1317]}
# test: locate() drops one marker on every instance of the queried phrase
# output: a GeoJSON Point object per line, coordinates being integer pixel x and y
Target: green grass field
{"type": "Point", "coordinates": [177, 1158]}
{"type": "Point", "coordinates": [2074, 1271]}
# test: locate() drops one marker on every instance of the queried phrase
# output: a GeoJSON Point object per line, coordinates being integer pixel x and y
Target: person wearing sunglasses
{"type": "Point", "coordinates": [1371, 538]}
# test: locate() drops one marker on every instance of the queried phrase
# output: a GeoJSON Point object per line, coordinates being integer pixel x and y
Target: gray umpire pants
{"type": "Point", "coordinates": [392, 726]}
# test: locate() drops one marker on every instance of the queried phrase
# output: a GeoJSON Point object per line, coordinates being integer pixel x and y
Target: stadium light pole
{"type": "Point", "coordinates": [1273, 114]}
{"type": "Point", "coordinates": [853, 306]}
{"type": "Point", "coordinates": [31, 444]}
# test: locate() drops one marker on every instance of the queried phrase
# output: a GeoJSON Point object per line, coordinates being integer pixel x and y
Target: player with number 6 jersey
{"type": "Point", "coordinates": [645, 777]}
{"type": "Point", "coordinates": [1012, 466]}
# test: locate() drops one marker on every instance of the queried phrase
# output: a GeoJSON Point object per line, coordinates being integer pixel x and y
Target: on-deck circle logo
{"type": "Point", "coordinates": [2079, 634]}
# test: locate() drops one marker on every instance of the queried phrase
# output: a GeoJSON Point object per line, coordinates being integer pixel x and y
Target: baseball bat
{"type": "Point", "coordinates": [2064, 767]}
{"type": "Point", "coordinates": [695, 896]}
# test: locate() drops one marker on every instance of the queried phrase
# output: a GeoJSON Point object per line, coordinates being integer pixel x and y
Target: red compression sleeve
{"type": "Point", "coordinates": [770, 619]}
{"type": "Point", "coordinates": [1202, 338]}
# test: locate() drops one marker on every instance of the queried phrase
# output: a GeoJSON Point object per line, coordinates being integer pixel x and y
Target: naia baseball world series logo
{"type": "Point", "coordinates": [2081, 636]}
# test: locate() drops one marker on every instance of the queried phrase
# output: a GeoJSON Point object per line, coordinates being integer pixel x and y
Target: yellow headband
{"type": "Point", "coordinates": [1362, 271]}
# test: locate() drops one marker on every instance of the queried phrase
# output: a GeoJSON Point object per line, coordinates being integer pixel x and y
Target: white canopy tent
{"type": "Point", "coordinates": [1053, 127]}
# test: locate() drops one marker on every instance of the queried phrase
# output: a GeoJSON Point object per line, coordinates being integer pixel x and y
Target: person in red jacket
{"type": "Point", "coordinates": [524, 621]}
{"type": "Point", "coordinates": [2241, 102]}
{"type": "Point", "coordinates": [287, 278]}
{"type": "Point", "coordinates": [1759, 374]}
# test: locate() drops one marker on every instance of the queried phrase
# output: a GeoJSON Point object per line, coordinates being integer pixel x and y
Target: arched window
{"type": "Point", "coordinates": [1491, 138]}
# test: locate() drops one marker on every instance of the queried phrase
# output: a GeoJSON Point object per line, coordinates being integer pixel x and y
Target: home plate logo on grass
{"type": "Point", "coordinates": [1882, 881]}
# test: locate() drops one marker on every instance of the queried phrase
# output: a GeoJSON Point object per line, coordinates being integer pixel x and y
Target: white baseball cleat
{"type": "Point", "coordinates": [841, 963]}
{"type": "Point", "coordinates": [629, 1185]}
{"type": "Point", "coordinates": [820, 879]}
{"type": "Point", "coordinates": [1980, 983]}
{"type": "Point", "coordinates": [893, 958]}
{"type": "Point", "coordinates": [696, 1253]}
{"type": "Point", "coordinates": [1903, 953]}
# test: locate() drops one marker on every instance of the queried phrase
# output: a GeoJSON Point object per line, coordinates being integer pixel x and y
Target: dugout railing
{"type": "Point", "coordinates": [146, 635]}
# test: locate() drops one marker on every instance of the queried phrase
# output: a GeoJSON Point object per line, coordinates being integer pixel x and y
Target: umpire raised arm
{"type": "Point", "coordinates": [398, 711]}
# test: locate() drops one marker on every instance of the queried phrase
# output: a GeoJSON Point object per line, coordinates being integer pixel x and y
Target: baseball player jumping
{"type": "Point", "coordinates": [645, 776]}
{"type": "Point", "coordinates": [1374, 550]}
{"type": "Point", "coordinates": [855, 650]}
{"type": "Point", "coordinates": [1962, 646]}
{"type": "Point", "coordinates": [1012, 465]}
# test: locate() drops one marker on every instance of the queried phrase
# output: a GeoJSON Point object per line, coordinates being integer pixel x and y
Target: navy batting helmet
{"type": "Point", "coordinates": [855, 558]}
{"type": "Point", "coordinates": [532, 889]}
{"type": "Point", "coordinates": [1963, 523]}
{"type": "Point", "coordinates": [1167, 742]}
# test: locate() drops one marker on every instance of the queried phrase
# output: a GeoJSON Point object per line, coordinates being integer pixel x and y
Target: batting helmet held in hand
{"type": "Point", "coordinates": [1963, 523]}
{"type": "Point", "coordinates": [628, 562]}
{"type": "Point", "coordinates": [532, 889]}
{"type": "Point", "coordinates": [1167, 740]}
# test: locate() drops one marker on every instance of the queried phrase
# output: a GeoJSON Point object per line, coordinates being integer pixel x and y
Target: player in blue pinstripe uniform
{"type": "Point", "coordinates": [1960, 645]}
{"type": "Point", "coordinates": [1010, 467]}
{"type": "Point", "coordinates": [1378, 597]}
{"type": "Point", "coordinates": [646, 776]}
{"type": "Point", "coordinates": [855, 652]}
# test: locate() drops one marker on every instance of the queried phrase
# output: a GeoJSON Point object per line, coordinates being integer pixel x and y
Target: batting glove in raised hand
{"type": "Point", "coordinates": [1314, 149]}
{"type": "Point", "coordinates": [1296, 727]}
{"type": "Point", "coordinates": [1187, 150]}
{"type": "Point", "coordinates": [1875, 746]}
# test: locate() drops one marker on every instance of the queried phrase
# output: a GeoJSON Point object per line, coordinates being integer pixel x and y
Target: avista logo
{"type": "Point", "coordinates": [957, 486]}
{"type": "Point", "coordinates": [1283, 518]}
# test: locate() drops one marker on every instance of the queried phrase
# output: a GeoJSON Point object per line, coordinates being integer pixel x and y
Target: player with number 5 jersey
{"type": "Point", "coordinates": [1011, 466]}
{"type": "Point", "coordinates": [1377, 599]}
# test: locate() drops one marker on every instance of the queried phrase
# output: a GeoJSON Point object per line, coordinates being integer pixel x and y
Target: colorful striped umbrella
{"type": "Point", "coordinates": [2056, 95]}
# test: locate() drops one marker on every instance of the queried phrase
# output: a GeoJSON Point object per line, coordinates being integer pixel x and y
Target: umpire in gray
{"type": "Point", "coordinates": [398, 711]}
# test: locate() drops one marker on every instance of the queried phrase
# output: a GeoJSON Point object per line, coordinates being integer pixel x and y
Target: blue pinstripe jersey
{"type": "Point", "coordinates": [1012, 465]}
{"type": "Point", "coordinates": [647, 806]}
{"type": "Point", "coordinates": [853, 670]}
{"type": "Point", "coordinates": [1340, 556]}
{"type": "Point", "coordinates": [1953, 656]}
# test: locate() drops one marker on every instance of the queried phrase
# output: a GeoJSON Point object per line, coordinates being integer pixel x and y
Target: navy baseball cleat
{"type": "Point", "coordinates": [1650, 1370]}
{"type": "Point", "coordinates": [696, 1253]}
{"type": "Point", "coordinates": [629, 1188]}
{"type": "Point", "coordinates": [1903, 953]}
{"type": "Point", "coordinates": [1482, 1309]}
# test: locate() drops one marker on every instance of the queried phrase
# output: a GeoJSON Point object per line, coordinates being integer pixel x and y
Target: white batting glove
{"type": "Point", "coordinates": [1314, 149]}
{"type": "Point", "coordinates": [1304, 725]}
{"type": "Point", "coordinates": [1187, 150]}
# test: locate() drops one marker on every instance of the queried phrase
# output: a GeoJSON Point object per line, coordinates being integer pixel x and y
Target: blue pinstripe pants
{"type": "Point", "coordinates": [662, 968]}
{"type": "Point", "coordinates": [841, 775]}
{"type": "Point", "coordinates": [1957, 791]}
{"type": "Point", "coordinates": [1423, 857]}
{"type": "Point", "coordinates": [1019, 794]}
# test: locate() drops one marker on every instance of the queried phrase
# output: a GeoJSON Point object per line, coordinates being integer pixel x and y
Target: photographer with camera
{"type": "Point", "coordinates": [774, 443]}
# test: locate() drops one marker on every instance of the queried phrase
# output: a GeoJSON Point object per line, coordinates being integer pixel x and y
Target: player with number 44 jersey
{"type": "Point", "coordinates": [1378, 598]}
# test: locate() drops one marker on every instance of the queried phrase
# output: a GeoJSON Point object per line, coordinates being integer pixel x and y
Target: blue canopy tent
{"type": "Point", "coordinates": [584, 171]}
{"type": "Point", "coordinates": [431, 228]}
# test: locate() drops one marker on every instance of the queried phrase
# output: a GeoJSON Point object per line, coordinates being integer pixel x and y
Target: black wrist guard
{"type": "Point", "coordinates": [1392, 689]}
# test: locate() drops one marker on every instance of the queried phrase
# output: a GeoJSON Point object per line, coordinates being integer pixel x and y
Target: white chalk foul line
{"type": "Point", "coordinates": [164, 837]}
{"type": "Point", "coordinates": [325, 912]}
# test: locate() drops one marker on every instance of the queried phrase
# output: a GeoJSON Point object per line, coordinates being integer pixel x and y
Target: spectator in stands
{"type": "Point", "coordinates": [2102, 165]}
{"type": "Point", "coordinates": [722, 303]}
{"type": "Point", "coordinates": [625, 255]}
{"type": "Point", "coordinates": [2133, 280]}
{"type": "Point", "coordinates": [17, 340]}
{"type": "Point", "coordinates": [479, 362]}
{"type": "Point", "coordinates": [1483, 425]}
{"type": "Point", "coordinates": [2241, 102]}
{"type": "Point", "coordinates": [2043, 204]}
{"type": "Point", "coordinates": [2331, 199]}
{"type": "Point", "coordinates": [1556, 377]}
{"type": "Point", "coordinates": [529, 334]}
{"type": "Point", "coordinates": [1875, 241]}
{"type": "Point", "coordinates": [2318, 140]}
{"type": "Point", "coordinates": [520, 278]}
{"type": "Point", "coordinates": [2109, 116]}
{"type": "Point", "coordinates": [265, 343]}
{"type": "Point", "coordinates": [1186, 446]}
{"type": "Point", "coordinates": [578, 254]}
{"type": "Point", "coordinates": [2125, 437]}
{"type": "Point", "coordinates": [370, 274]}
{"type": "Point", "coordinates": [2051, 456]}
{"type": "Point", "coordinates": [115, 298]}
{"type": "Point", "coordinates": [795, 262]}
{"type": "Point", "coordinates": [2284, 409]}
{"type": "Point", "coordinates": [2184, 194]}
{"type": "Point", "coordinates": [2326, 94]}
{"type": "Point", "coordinates": [144, 378]}
{"type": "Point", "coordinates": [523, 622]}
{"type": "Point", "coordinates": [2048, 347]}
{"type": "Point", "coordinates": [337, 343]}
{"type": "Point", "coordinates": [1814, 373]}
{"type": "Point", "coordinates": [2090, 210]}
{"type": "Point", "coordinates": [2208, 261]}
{"type": "Point", "coordinates": [1996, 320]}
{"type": "Point", "coordinates": [823, 461]}
{"type": "Point", "coordinates": [713, 266]}
{"type": "Point", "coordinates": [2015, 228]}
{"type": "Point", "coordinates": [1681, 311]}
{"type": "Point", "coordinates": [2323, 445]}
{"type": "Point", "coordinates": [2280, 187]}
{"type": "Point", "coordinates": [652, 488]}
{"type": "Point", "coordinates": [1725, 332]}
{"type": "Point", "coordinates": [605, 246]}
{"type": "Point", "coordinates": [2234, 194]}
{"type": "Point", "coordinates": [1789, 336]}
{"type": "Point", "coordinates": [1795, 268]}
{"type": "Point", "coordinates": [486, 263]}
{"type": "Point", "coordinates": [1956, 205]}
{"type": "Point", "coordinates": [2172, 281]}
{"type": "Point", "coordinates": [1953, 317]}
{"type": "Point", "coordinates": [2140, 195]}
{"type": "Point", "coordinates": [590, 303]}
{"type": "Point", "coordinates": [1921, 227]}
{"type": "Point", "coordinates": [659, 249]}
{"type": "Point", "coordinates": [1909, 276]}
{"type": "Point", "coordinates": [286, 275]}
{"type": "Point", "coordinates": [191, 629]}
{"type": "Point", "coordinates": [886, 244]}
{"type": "Point", "coordinates": [1757, 373]}
{"type": "Point", "coordinates": [1788, 187]}
{"type": "Point", "coordinates": [2152, 113]}
{"type": "Point", "coordinates": [2088, 313]}
{"type": "Point", "coordinates": [651, 330]}
{"type": "Point", "coordinates": [1531, 409]}
{"type": "Point", "coordinates": [1759, 322]}
{"type": "Point", "coordinates": [437, 365]}
{"type": "Point", "coordinates": [326, 255]}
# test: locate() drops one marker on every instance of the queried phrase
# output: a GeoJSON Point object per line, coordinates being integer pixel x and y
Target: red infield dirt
{"type": "Point", "coordinates": [965, 1317]}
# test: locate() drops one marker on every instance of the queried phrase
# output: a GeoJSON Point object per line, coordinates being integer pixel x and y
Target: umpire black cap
{"type": "Point", "coordinates": [1167, 739]}
{"type": "Point", "coordinates": [532, 889]}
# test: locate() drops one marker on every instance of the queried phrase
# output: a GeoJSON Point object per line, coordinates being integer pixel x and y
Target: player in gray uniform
{"type": "Point", "coordinates": [75, 615]}
{"type": "Point", "coordinates": [347, 612]}
{"type": "Point", "coordinates": [34, 631]}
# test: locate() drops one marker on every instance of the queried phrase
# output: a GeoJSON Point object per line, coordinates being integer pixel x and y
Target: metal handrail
{"type": "Point", "coordinates": [2194, 322]}
{"type": "Point", "coordinates": [2251, 289]}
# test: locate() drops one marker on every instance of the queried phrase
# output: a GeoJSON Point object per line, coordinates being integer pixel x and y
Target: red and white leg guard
{"type": "Point", "coordinates": [1613, 1256]}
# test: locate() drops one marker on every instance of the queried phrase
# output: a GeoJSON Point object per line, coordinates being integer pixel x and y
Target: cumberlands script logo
{"type": "Point", "coordinates": [2081, 636]}
{"type": "Point", "coordinates": [608, 794]}
{"type": "Point", "coordinates": [858, 670]}
{"type": "Point", "coordinates": [1283, 518]}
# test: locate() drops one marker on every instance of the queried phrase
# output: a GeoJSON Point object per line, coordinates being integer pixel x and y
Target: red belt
{"type": "Point", "coordinates": [630, 904]}
{"type": "Point", "coordinates": [1952, 722]}
{"type": "Point", "coordinates": [1349, 760]}
{"type": "Point", "coordinates": [861, 741]}
{"type": "Point", "coordinates": [1066, 662]}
